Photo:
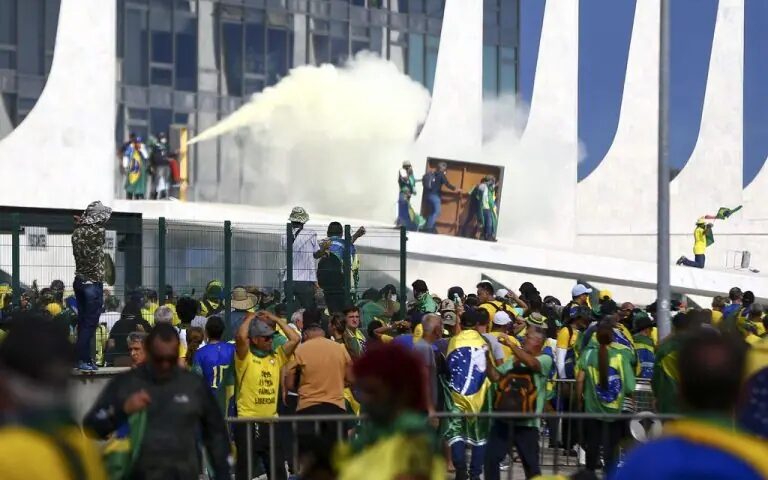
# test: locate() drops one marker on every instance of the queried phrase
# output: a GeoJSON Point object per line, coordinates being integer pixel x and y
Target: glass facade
{"type": "Point", "coordinates": [27, 38]}
{"type": "Point", "coordinates": [500, 45]}
{"type": "Point", "coordinates": [192, 62]}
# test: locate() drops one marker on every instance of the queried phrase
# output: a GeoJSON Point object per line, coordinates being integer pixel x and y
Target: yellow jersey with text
{"type": "Point", "coordinates": [259, 383]}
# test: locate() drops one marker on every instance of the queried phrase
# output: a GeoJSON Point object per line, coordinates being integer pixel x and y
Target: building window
{"type": "Point", "coordinates": [500, 41]}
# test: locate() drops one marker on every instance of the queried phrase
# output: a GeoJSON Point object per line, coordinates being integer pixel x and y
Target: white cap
{"type": "Point", "coordinates": [502, 318]}
{"type": "Point", "coordinates": [502, 292]}
{"type": "Point", "coordinates": [579, 290]}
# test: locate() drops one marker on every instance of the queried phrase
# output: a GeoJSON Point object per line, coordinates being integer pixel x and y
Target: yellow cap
{"type": "Point", "coordinates": [53, 308]}
{"type": "Point", "coordinates": [701, 221]}
{"type": "Point", "coordinates": [605, 293]}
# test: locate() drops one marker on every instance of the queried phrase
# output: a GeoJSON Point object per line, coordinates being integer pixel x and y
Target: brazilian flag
{"type": "Point", "coordinates": [725, 212]}
{"type": "Point", "coordinates": [468, 389]}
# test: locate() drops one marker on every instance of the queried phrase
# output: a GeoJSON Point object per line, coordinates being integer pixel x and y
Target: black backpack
{"type": "Point", "coordinates": [516, 392]}
{"type": "Point", "coordinates": [329, 272]}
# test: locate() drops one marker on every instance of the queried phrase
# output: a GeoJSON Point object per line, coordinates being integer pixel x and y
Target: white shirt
{"type": "Point", "coordinates": [110, 318]}
{"type": "Point", "coordinates": [304, 263]}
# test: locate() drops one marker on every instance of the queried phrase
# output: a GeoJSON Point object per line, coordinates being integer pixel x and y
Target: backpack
{"type": "Point", "coordinates": [516, 392]}
{"type": "Point", "coordinates": [329, 272]}
{"type": "Point", "coordinates": [429, 181]}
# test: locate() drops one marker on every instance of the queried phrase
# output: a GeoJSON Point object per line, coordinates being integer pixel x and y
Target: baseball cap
{"type": "Point", "coordinates": [579, 290]}
{"type": "Point", "coordinates": [258, 328]}
{"type": "Point", "coordinates": [605, 294]}
{"type": "Point", "coordinates": [447, 305]}
{"type": "Point", "coordinates": [502, 292]}
{"type": "Point", "coordinates": [449, 318]}
{"type": "Point", "coordinates": [502, 318]}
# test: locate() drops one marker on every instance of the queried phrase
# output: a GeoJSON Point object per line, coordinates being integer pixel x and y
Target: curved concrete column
{"type": "Point", "coordinates": [756, 195]}
{"type": "Point", "coordinates": [713, 175]}
{"type": "Point", "coordinates": [619, 196]}
{"type": "Point", "coordinates": [453, 128]}
{"type": "Point", "coordinates": [63, 154]}
{"type": "Point", "coordinates": [547, 153]}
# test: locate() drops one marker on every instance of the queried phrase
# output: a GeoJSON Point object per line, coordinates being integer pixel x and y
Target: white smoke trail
{"type": "Point", "coordinates": [323, 135]}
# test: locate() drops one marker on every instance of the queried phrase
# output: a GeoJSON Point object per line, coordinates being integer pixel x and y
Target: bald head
{"type": "Point", "coordinates": [432, 324]}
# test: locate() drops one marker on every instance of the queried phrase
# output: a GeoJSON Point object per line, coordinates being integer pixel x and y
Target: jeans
{"type": "Point", "coordinates": [607, 435]}
{"type": "Point", "coordinates": [526, 441]}
{"type": "Point", "coordinates": [488, 232]}
{"type": "Point", "coordinates": [698, 261]}
{"type": "Point", "coordinates": [433, 199]}
{"type": "Point", "coordinates": [403, 213]}
{"type": "Point", "coordinates": [90, 299]}
{"type": "Point", "coordinates": [459, 456]}
{"type": "Point", "coordinates": [304, 294]}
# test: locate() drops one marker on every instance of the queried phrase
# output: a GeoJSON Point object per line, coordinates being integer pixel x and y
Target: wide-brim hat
{"type": "Point", "coordinates": [298, 215]}
{"type": "Point", "coordinates": [241, 299]}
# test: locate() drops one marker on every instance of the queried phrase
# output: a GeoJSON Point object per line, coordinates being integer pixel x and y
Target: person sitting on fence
{"type": "Point", "coordinates": [397, 441]}
{"type": "Point", "coordinates": [706, 444]}
{"type": "Point", "coordinates": [521, 388]}
{"type": "Point", "coordinates": [212, 303]}
{"type": "Point", "coordinates": [257, 371]}
{"type": "Point", "coordinates": [604, 377]}
{"type": "Point", "coordinates": [331, 265]}
{"type": "Point", "coordinates": [306, 250]}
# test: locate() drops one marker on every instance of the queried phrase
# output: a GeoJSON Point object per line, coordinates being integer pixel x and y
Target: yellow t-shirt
{"type": "Point", "coordinates": [148, 313]}
{"type": "Point", "coordinates": [259, 380]}
{"type": "Point", "coordinates": [28, 454]}
{"type": "Point", "coordinates": [699, 241]}
{"type": "Point", "coordinates": [655, 335]}
{"type": "Point", "coordinates": [562, 338]}
{"type": "Point", "coordinates": [752, 339]}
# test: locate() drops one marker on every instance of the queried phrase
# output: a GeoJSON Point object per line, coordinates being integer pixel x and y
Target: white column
{"type": "Point", "coordinates": [63, 154]}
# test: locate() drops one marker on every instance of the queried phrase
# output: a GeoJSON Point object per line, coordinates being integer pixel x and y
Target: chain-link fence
{"type": "Point", "coordinates": [318, 266]}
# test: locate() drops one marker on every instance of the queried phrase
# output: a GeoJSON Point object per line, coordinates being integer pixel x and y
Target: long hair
{"type": "Point", "coordinates": [604, 337]}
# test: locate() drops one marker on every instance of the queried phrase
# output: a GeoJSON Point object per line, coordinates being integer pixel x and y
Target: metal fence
{"type": "Point", "coordinates": [36, 249]}
{"type": "Point", "coordinates": [285, 449]}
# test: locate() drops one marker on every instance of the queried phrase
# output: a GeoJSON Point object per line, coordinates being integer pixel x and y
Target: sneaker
{"type": "Point", "coordinates": [86, 367]}
{"type": "Point", "coordinates": [505, 464]}
{"type": "Point", "coordinates": [680, 260]}
{"type": "Point", "coordinates": [93, 366]}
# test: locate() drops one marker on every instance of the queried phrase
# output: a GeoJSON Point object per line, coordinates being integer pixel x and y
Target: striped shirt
{"type": "Point", "coordinates": [304, 263]}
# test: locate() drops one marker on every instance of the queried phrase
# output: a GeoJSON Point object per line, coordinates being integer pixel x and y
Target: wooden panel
{"type": "Point", "coordinates": [454, 211]}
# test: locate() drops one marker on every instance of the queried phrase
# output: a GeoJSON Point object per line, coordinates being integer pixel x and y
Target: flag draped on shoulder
{"type": "Point", "coordinates": [467, 389]}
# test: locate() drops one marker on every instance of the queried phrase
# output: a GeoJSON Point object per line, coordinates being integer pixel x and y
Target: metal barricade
{"type": "Point", "coordinates": [283, 433]}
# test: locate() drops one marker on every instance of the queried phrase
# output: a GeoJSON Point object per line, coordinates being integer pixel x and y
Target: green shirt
{"type": "Point", "coordinates": [621, 381]}
{"type": "Point", "coordinates": [539, 379]}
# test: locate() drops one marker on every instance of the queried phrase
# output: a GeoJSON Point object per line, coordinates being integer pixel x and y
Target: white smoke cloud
{"type": "Point", "coordinates": [324, 135]}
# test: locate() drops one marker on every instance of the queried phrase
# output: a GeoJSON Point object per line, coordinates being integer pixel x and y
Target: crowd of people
{"type": "Point", "coordinates": [426, 373]}
{"type": "Point", "coordinates": [482, 209]}
{"type": "Point", "coordinates": [150, 168]}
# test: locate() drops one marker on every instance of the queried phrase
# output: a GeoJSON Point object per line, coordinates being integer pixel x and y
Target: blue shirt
{"type": "Point", "coordinates": [679, 459]}
{"type": "Point", "coordinates": [213, 360]}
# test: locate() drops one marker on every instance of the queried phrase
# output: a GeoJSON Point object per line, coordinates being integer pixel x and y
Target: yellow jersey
{"type": "Point", "coordinates": [507, 350]}
{"type": "Point", "coordinates": [699, 241]}
{"type": "Point", "coordinates": [259, 383]}
{"type": "Point", "coordinates": [29, 454]}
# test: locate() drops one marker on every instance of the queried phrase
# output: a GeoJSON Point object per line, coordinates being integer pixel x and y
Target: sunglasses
{"type": "Point", "coordinates": [265, 337]}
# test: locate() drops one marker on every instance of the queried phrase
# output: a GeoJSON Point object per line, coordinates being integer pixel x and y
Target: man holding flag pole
{"type": "Point", "coordinates": [703, 237]}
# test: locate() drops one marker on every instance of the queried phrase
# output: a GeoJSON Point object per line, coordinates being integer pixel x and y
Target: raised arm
{"type": "Point", "coordinates": [293, 336]}
{"type": "Point", "coordinates": [529, 360]}
{"type": "Point", "coordinates": [242, 341]}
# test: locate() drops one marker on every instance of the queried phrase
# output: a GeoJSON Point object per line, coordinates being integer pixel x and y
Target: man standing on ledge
{"type": "Point", "coordinates": [87, 247]}
{"type": "Point", "coordinates": [433, 182]}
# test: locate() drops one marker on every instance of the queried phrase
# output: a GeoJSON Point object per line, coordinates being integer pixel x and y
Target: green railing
{"type": "Point", "coordinates": [35, 249]}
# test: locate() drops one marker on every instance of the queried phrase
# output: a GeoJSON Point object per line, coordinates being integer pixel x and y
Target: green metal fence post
{"type": "Point", "coordinates": [347, 264]}
{"type": "Point", "coordinates": [16, 259]}
{"type": "Point", "coordinates": [227, 270]}
{"type": "Point", "coordinates": [288, 287]}
{"type": "Point", "coordinates": [403, 258]}
{"type": "Point", "coordinates": [161, 233]}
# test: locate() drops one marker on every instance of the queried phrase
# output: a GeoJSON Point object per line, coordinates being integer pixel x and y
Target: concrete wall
{"type": "Point", "coordinates": [63, 154]}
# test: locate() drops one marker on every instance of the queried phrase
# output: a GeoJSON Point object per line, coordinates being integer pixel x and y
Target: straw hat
{"type": "Point", "coordinates": [298, 215]}
{"type": "Point", "coordinates": [241, 300]}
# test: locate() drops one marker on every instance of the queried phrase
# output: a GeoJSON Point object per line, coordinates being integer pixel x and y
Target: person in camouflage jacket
{"type": "Point", "coordinates": [87, 247]}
